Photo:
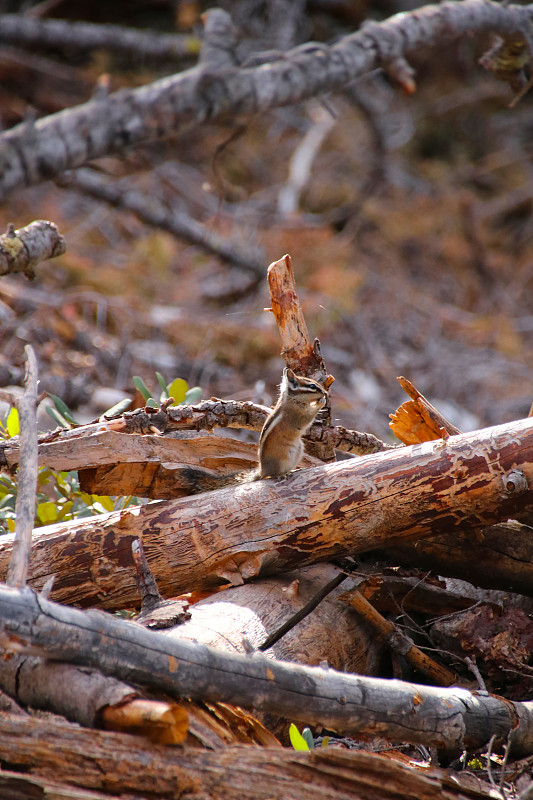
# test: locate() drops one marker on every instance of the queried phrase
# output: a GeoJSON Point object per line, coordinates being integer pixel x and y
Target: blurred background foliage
{"type": "Point", "coordinates": [410, 234]}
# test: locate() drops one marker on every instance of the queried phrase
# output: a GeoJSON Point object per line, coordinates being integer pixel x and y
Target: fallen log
{"type": "Point", "coordinates": [499, 557]}
{"type": "Point", "coordinates": [451, 719]}
{"type": "Point", "coordinates": [86, 763]}
{"type": "Point", "coordinates": [463, 483]}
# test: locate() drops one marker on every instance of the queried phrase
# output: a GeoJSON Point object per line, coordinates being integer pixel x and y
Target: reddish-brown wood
{"type": "Point", "coordinates": [461, 484]}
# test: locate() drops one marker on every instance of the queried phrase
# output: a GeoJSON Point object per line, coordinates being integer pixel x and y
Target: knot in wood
{"type": "Point", "coordinates": [515, 482]}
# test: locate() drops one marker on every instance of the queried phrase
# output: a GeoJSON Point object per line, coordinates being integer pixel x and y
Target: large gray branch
{"type": "Point", "coordinates": [29, 154]}
{"type": "Point", "coordinates": [448, 718]}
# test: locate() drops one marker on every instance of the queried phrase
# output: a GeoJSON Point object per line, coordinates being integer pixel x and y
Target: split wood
{"type": "Point", "coordinates": [112, 766]}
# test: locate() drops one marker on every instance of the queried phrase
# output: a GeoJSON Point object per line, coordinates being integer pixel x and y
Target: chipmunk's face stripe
{"type": "Point", "coordinates": [294, 384]}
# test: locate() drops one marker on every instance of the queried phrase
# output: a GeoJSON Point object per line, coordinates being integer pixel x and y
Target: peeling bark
{"type": "Point", "coordinates": [231, 535]}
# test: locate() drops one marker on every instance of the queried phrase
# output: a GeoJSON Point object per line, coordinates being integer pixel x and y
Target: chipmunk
{"type": "Point", "coordinates": [280, 444]}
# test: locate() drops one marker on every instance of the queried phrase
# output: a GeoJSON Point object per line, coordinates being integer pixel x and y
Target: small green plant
{"type": "Point", "coordinates": [58, 496]}
{"type": "Point", "coordinates": [475, 763]}
{"type": "Point", "coordinates": [304, 740]}
{"type": "Point", "coordinates": [177, 389]}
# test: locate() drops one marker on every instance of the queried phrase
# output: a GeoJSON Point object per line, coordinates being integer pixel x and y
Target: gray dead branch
{"type": "Point", "coordinates": [21, 250]}
{"type": "Point", "coordinates": [28, 31]}
{"type": "Point", "coordinates": [450, 719]}
{"type": "Point", "coordinates": [32, 153]}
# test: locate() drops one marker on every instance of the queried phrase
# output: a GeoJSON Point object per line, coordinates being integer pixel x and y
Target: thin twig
{"type": "Point", "coordinates": [27, 477]}
{"type": "Point", "coordinates": [303, 612]}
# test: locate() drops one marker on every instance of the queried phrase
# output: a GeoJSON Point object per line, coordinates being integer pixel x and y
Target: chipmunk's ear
{"type": "Point", "coordinates": [290, 378]}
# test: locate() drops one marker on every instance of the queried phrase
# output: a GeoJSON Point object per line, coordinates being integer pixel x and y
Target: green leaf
{"type": "Point", "coordinates": [178, 389]}
{"type": "Point", "coordinates": [47, 512]}
{"type": "Point", "coordinates": [62, 407]}
{"type": "Point", "coordinates": [142, 387]}
{"type": "Point", "coordinates": [64, 510]}
{"type": "Point", "coordinates": [151, 403]}
{"type": "Point", "coordinates": [57, 417]}
{"type": "Point", "coordinates": [105, 501]}
{"type": "Point", "coordinates": [162, 381]}
{"type": "Point", "coordinates": [10, 525]}
{"type": "Point", "coordinates": [12, 423]}
{"type": "Point", "coordinates": [308, 736]}
{"type": "Point", "coordinates": [325, 741]}
{"type": "Point", "coordinates": [117, 409]}
{"type": "Point", "coordinates": [7, 501]}
{"type": "Point", "coordinates": [297, 740]}
{"type": "Point", "coordinates": [193, 395]}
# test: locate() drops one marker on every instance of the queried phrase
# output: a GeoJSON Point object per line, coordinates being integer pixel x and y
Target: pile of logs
{"type": "Point", "coordinates": [298, 600]}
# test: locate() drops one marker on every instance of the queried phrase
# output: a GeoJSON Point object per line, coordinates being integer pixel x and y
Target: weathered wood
{"type": "Point", "coordinates": [446, 718]}
{"type": "Point", "coordinates": [68, 449]}
{"type": "Point", "coordinates": [499, 557]}
{"type": "Point", "coordinates": [299, 353]}
{"type": "Point", "coordinates": [332, 633]}
{"type": "Point", "coordinates": [89, 698]}
{"type": "Point", "coordinates": [27, 484]}
{"type": "Point", "coordinates": [22, 250]}
{"type": "Point", "coordinates": [97, 761]}
{"type": "Point", "coordinates": [461, 484]}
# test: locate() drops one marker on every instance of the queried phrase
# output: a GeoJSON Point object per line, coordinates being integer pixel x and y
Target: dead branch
{"type": "Point", "coordinates": [299, 353]}
{"type": "Point", "coordinates": [178, 223]}
{"type": "Point", "coordinates": [86, 696]}
{"type": "Point", "coordinates": [29, 31]}
{"type": "Point", "coordinates": [447, 718]}
{"type": "Point", "coordinates": [301, 162]}
{"type": "Point", "coordinates": [400, 643]}
{"type": "Point", "coordinates": [462, 484]}
{"type": "Point", "coordinates": [116, 765]}
{"type": "Point", "coordinates": [27, 476]}
{"type": "Point", "coordinates": [95, 444]}
{"type": "Point", "coordinates": [29, 154]}
{"type": "Point", "coordinates": [22, 250]}
{"type": "Point", "coordinates": [499, 557]}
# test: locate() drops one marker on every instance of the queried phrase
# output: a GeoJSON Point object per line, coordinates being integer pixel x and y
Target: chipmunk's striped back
{"type": "Point", "coordinates": [280, 446]}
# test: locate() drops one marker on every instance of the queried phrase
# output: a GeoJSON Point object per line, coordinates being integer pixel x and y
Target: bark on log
{"type": "Point", "coordinates": [461, 484]}
{"type": "Point", "coordinates": [115, 764]}
{"type": "Point", "coordinates": [450, 719]}
{"type": "Point", "coordinates": [130, 117]}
